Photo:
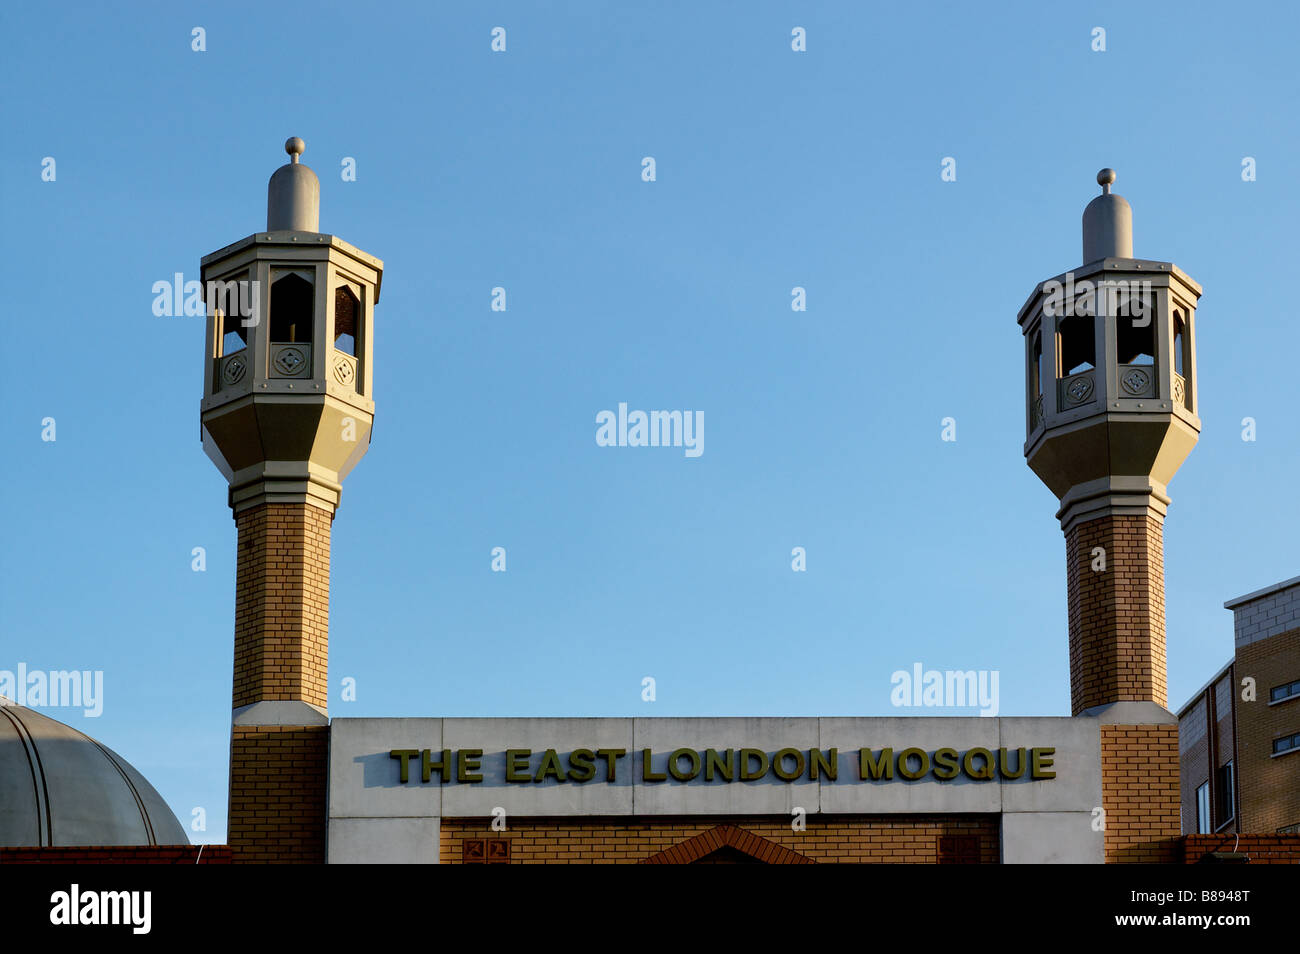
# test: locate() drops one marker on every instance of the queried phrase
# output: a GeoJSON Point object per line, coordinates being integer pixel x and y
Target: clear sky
{"type": "Point", "coordinates": [523, 169]}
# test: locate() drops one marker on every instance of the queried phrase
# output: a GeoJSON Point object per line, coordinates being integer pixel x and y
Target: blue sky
{"type": "Point", "coordinates": [522, 169]}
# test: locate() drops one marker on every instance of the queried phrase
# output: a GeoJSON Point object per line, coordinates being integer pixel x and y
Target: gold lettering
{"type": "Point", "coordinates": [611, 756]}
{"type": "Point", "coordinates": [713, 762]}
{"type": "Point", "coordinates": [923, 763]}
{"type": "Point", "coordinates": [647, 773]}
{"type": "Point", "coordinates": [674, 769]}
{"type": "Point", "coordinates": [1040, 761]}
{"type": "Point", "coordinates": [550, 767]}
{"type": "Point", "coordinates": [875, 768]}
{"type": "Point", "coordinates": [404, 773]}
{"type": "Point", "coordinates": [517, 765]}
{"type": "Point", "coordinates": [582, 765]}
{"type": "Point", "coordinates": [778, 764]}
{"type": "Point", "coordinates": [946, 765]}
{"type": "Point", "coordinates": [467, 765]}
{"type": "Point", "coordinates": [968, 764]}
{"type": "Point", "coordinates": [428, 766]}
{"type": "Point", "coordinates": [1004, 770]}
{"type": "Point", "coordinates": [819, 763]}
{"type": "Point", "coordinates": [746, 773]}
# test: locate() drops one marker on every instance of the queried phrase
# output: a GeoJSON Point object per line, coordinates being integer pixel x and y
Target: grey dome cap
{"type": "Point", "coordinates": [61, 788]}
{"type": "Point", "coordinates": [1107, 223]}
{"type": "Point", "coordinates": [293, 194]}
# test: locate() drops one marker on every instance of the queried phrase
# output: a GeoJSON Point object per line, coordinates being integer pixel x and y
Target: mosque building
{"type": "Point", "coordinates": [1112, 404]}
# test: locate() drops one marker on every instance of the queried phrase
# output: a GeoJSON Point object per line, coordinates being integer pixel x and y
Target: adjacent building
{"type": "Point", "coordinates": [1239, 736]}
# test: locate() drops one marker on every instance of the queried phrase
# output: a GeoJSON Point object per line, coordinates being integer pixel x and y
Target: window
{"type": "Point", "coordinates": [234, 336]}
{"type": "Point", "coordinates": [1038, 362]}
{"type": "Point", "coordinates": [1203, 809]}
{"type": "Point", "coordinates": [1076, 345]}
{"type": "Point", "coordinates": [1288, 743]}
{"type": "Point", "coordinates": [1036, 380]}
{"type": "Point", "coordinates": [346, 309]}
{"type": "Point", "coordinates": [1180, 342]}
{"type": "Point", "coordinates": [291, 310]}
{"type": "Point", "coordinates": [1182, 361]}
{"type": "Point", "coordinates": [1223, 793]}
{"type": "Point", "coordinates": [229, 304]}
{"type": "Point", "coordinates": [1135, 344]}
{"type": "Point", "coordinates": [1282, 693]}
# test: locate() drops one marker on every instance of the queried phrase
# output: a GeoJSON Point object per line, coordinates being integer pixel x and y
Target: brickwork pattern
{"type": "Point", "coordinates": [1140, 793]}
{"type": "Point", "coordinates": [122, 855]}
{"type": "Point", "coordinates": [278, 778]}
{"type": "Point", "coordinates": [1270, 787]}
{"type": "Point", "coordinates": [1262, 849]}
{"type": "Point", "coordinates": [1116, 615]}
{"type": "Point", "coordinates": [282, 594]}
{"type": "Point", "coordinates": [1195, 752]}
{"type": "Point", "coordinates": [1194, 768]}
{"type": "Point", "coordinates": [910, 839]}
{"type": "Point", "coordinates": [1225, 736]}
{"type": "Point", "coordinates": [727, 844]}
{"type": "Point", "coordinates": [1225, 751]}
{"type": "Point", "coordinates": [1270, 615]}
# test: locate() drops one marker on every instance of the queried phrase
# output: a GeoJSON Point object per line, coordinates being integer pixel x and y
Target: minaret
{"type": "Point", "coordinates": [1111, 397]}
{"type": "Point", "coordinates": [1111, 413]}
{"type": "Point", "coordinates": [286, 414]}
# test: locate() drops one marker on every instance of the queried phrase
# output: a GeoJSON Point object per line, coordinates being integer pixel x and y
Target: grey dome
{"type": "Point", "coordinates": [61, 788]}
{"type": "Point", "coordinates": [1107, 223]}
{"type": "Point", "coordinates": [293, 194]}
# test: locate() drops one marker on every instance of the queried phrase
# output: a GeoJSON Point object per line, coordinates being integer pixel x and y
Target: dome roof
{"type": "Point", "coordinates": [59, 787]}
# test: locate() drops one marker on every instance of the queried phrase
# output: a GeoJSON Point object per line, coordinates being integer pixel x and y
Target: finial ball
{"type": "Point", "coordinates": [295, 147]}
{"type": "Point", "coordinates": [1106, 177]}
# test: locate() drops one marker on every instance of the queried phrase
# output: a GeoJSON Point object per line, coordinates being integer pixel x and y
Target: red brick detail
{"type": "Point", "coordinates": [959, 850]}
{"type": "Point", "coordinates": [1140, 793]}
{"type": "Point", "coordinates": [119, 855]}
{"type": "Point", "coordinates": [278, 776]}
{"type": "Point", "coordinates": [485, 851]}
{"type": "Point", "coordinates": [1116, 615]}
{"type": "Point", "coordinates": [282, 604]}
{"type": "Point", "coordinates": [727, 836]}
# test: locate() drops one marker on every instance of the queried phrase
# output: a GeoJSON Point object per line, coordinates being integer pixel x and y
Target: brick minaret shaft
{"type": "Point", "coordinates": [1111, 414]}
{"type": "Point", "coordinates": [1117, 654]}
{"type": "Point", "coordinates": [278, 773]}
{"type": "Point", "coordinates": [282, 604]}
{"type": "Point", "coordinates": [286, 414]}
{"type": "Point", "coordinates": [1116, 614]}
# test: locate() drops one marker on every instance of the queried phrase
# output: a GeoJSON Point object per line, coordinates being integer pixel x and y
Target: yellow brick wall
{"type": "Point", "coordinates": [277, 793]}
{"type": "Point", "coordinates": [859, 839]}
{"type": "Point", "coordinates": [1140, 793]}
{"type": "Point", "coordinates": [1116, 615]}
{"type": "Point", "coordinates": [282, 604]}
